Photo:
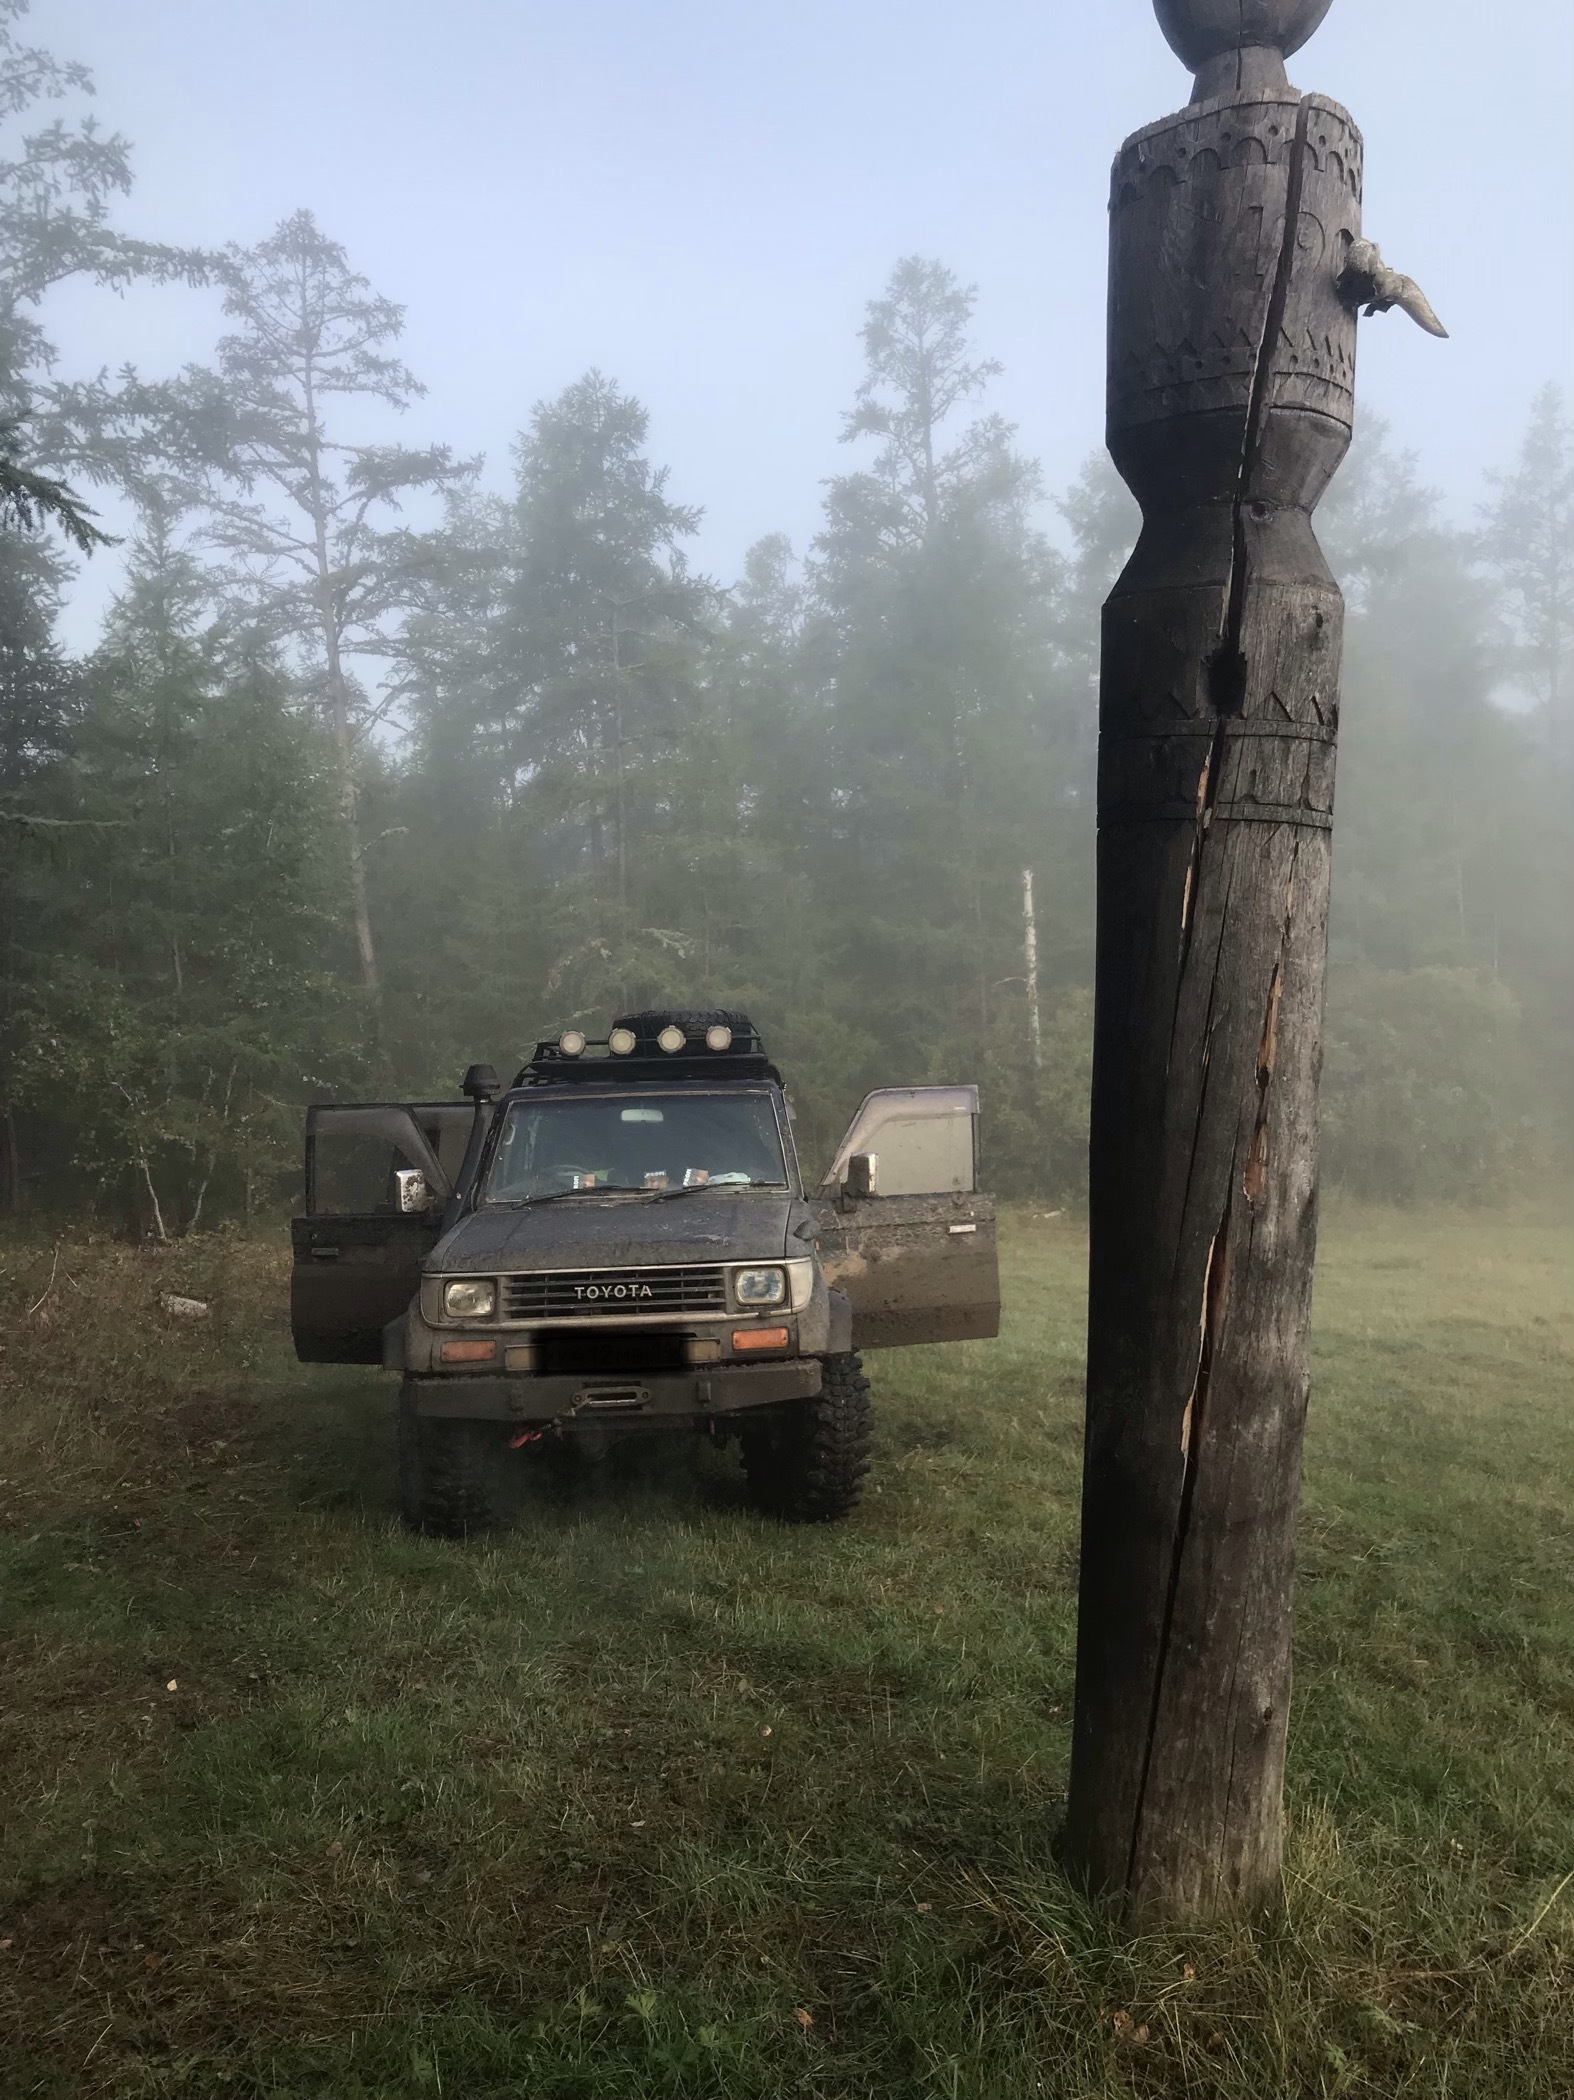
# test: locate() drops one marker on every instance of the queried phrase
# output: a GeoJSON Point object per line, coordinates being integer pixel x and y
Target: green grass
{"type": "Point", "coordinates": [653, 1798]}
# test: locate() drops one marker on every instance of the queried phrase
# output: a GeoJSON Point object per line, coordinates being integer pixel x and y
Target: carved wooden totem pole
{"type": "Point", "coordinates": [1236, 268]}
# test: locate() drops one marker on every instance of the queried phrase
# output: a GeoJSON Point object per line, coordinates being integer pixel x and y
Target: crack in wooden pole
{"type": "Point", "coordinates": [1236, 263]}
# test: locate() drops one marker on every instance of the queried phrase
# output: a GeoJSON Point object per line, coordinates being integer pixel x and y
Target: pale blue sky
{"type": "Point", "coordinates": [700, 195]}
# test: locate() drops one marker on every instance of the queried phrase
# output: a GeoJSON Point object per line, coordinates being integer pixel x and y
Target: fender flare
{"type": "Point", "coordinates": [393, 1344]}
{"type": "Point", "coordinates": [840, 1340]}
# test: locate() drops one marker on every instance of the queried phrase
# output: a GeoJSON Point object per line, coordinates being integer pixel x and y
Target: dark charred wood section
{"type": "Point", "coordinates": [1231, 371]}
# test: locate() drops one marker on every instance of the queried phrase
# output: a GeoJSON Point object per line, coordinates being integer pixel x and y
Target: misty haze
{"type": "Point", "coordinates": [551, 567]}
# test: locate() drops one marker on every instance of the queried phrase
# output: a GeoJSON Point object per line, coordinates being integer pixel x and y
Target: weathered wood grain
{"type": "Point", "coordinates": [1231, 375]}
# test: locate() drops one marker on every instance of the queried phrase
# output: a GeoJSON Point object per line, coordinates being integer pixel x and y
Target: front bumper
{"type": "Point", "coordinates": [673, 1397]}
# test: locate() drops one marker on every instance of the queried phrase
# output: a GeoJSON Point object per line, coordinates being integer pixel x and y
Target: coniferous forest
{"type": "Point", "coordinates": [373, 773]}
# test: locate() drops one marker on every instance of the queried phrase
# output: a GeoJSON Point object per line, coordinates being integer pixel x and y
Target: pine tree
{"type": "Point", "coordinates": [552, 680]}
{"type": "Point", "coordinates": [465, 883]}
{"type": "Point", "coordinates": [186, 1007]}
{"type": "Point", "coordinates": [39, 703]}
{"type": "Point", "coordinates": [597, 651]}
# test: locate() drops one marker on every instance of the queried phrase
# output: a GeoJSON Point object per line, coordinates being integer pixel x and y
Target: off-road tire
{"type": "Point", "coordinates": [806, 1465]}
{"type": "Point", "coordinates": [694, 1020]}
{"type": "Point", "coordinates": [447, 1473]}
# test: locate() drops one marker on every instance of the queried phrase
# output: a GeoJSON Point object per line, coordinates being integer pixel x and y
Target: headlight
{"type": "Point", "coordinates": [469, 1300]}
{"type": "Point", "coordinates": [759, 1286]}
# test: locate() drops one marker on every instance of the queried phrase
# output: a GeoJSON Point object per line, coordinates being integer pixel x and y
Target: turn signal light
{"type": "Point", "coordinates": [467, 1352]}
{"type": "Point", "coordinates": [760, 1337]}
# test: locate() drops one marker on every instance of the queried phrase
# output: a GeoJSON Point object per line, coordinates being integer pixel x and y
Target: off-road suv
{"type": "Point", "coordinates": [622, 1241]}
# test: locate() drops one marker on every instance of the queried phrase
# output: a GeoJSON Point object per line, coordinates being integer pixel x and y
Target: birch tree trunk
{"type": "Point", "coordinates": [1035, 1032]}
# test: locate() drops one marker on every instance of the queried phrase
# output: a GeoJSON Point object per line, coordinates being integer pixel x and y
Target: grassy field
{"type": "Point", "coordinates": [651, 1798]}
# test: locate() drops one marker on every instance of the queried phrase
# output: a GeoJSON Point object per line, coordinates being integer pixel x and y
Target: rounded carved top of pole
{"type": "Point", "coordinates": [1232, 44]}
{"type": "Point", "coordinates": [1198, 30]}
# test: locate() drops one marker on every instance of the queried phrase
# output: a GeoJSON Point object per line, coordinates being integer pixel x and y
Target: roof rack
{"type": "Point", "coordinates": [662, 1045]}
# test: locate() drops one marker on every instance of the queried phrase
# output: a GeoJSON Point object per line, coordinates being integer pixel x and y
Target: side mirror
{"type": "Point", "coordinates": [413, 1195]}
{"type": "Point", "coordinates": [862, 1177]}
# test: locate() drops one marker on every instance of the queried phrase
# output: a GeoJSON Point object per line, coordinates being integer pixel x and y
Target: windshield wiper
{"type": "Point", "coordinates": [604, 1188]}
{"type": "Point", "coordinates": [698, 1188]}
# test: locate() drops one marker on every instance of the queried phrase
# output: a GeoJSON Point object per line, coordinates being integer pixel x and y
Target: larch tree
{"type": "Point", "coordinates": [303, 511]}
{"type": "Point", "coordinates": [1528, 543]}
{"type": "Point", "coordinates": [919, 370]}
{"type": "Point", "coordinates": [59, 182]}
{"type": "Point", "coordinates": [1528, 548]}
{"type": "Point", "coordinates": [943, 685]}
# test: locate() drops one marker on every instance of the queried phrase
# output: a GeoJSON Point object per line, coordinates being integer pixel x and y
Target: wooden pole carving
{"type": "Point", "coordinates": [1236, 268]}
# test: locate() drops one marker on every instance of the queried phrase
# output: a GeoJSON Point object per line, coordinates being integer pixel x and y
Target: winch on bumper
{"type": "Point", "coordinates": [670, 1398]}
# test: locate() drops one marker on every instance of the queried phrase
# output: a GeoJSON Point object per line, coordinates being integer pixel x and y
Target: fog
{"type": "Point", "coordinates": [605, 639]}
{"type": "Point", "coordinates": [700, 197]}
{"type": "Point", "coordinates": [554, 735]}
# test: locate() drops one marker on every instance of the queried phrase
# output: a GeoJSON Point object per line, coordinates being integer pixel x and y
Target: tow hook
{"type": "Point", "coordinates": [526, 1436]}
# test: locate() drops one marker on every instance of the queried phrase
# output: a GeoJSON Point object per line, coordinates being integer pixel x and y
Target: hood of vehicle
{"type": "Point", "coordinates": [628, 1232]}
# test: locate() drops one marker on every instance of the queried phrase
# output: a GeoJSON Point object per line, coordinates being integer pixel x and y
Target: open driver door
{"type": "Point", "coordinates": [904, 1231]}
{"type": "Point", "coordinates": [377, 1179]}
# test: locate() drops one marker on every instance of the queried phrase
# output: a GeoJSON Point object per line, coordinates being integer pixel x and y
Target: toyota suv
{"type": "Point", "coordinates": [623, 1241]}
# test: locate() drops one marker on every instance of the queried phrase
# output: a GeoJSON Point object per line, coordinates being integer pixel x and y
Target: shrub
{"type": "Point", "coordinates": [1426, 1091]}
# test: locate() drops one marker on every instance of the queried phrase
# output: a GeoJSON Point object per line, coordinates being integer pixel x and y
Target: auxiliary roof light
{"type": "Point", "coordinates": [571, 1042]}
{"type": "Point", "coordinates": [671, 1039]}
{"type": "Point", "coordinates": [621, 1042]}
{"type": "Point", "coordinates": [718, 1037]}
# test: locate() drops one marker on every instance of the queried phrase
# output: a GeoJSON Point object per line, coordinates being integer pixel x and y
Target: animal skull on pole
{"type": "Point", "coordinates": [1236, 269]}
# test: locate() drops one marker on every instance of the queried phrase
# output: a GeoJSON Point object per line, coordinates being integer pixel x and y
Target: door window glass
{"type": "Point", "coordinates": [446, 1127]}
{"type": "Point", "coordinates": [924, 1155]}
{"type": "Point", "coordinates": [355, 1156]}
{"type": "Point", "coordinates": [922, 1136]}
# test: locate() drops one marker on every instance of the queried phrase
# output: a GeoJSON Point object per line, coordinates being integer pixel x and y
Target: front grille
{"type": "Point", "coordinates": [575, 1294]}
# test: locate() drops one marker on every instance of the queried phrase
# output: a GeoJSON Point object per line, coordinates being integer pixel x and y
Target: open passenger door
{"type": "Point", "coordinates": [377, 1179]}
{"type": "Point", "coordinates": [903, 1230]}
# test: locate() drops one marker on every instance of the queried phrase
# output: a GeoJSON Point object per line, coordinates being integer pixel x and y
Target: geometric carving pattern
{"type": "Point", "coordinates": [1185, 339]}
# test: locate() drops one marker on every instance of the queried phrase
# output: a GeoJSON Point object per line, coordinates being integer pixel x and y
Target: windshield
{"type": "Point", "coordinates": [559, 1144]}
